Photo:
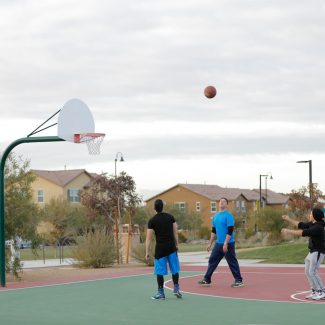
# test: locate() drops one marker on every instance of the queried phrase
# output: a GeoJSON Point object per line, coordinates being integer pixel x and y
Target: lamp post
{"type": "Point", "coordinates": [271, 177]}
{"type": "Point", "coordinates": [261, 175]}
{"type": "Point", "coordinates": [260, 203]}
{"type": "Point", "coordinates": [117, 209]}
{"type": "Point", "coordinates": [119, 154]}
{"type": "Point", "coordinates": [310, 177]}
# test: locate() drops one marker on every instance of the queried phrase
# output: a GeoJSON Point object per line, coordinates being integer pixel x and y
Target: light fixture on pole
{"type": "Point", "coordinates": [261, 175]}
{"type": "Point", "coordinates": [271, 177]}
{"type": "Point", "coordinates": [117, 209]}
{"type": "Point", "coordinates": [310, 176]}
{"type": "Point", "coordinates": [118, 154]}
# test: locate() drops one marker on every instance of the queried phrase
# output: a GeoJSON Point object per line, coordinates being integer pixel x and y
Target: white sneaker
{"type": "Point", "coordinates": [318, 295]}
{"type": "Point", "coordinates": [310, 296]}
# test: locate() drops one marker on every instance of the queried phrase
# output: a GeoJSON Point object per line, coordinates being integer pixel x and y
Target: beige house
{"type": "Point", "coordinates": [59, 184]}
{"type": "Point", "coordinates": [204, 199]}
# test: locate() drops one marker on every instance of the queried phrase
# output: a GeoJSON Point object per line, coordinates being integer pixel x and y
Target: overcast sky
{"type": "Point", "coordinates": [141, 67]}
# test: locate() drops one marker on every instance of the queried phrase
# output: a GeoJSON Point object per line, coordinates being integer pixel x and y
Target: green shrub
{"type": "Point", "coordinates": [181, 237]}
{"type": "Point", "coordinates": [204, 232]}
{"type": "Point", "coordinates": [139, 253]}
{"type": "Point", "coordinates": [95, 250]}
{"type": "Point", "coordinates": [13, 265]}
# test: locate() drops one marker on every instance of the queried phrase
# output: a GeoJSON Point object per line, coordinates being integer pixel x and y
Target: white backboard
{"type": "Point", "coordinates": [75, 118]}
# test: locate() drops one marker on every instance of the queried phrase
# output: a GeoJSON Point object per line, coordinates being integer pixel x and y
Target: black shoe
{"type": "Point", "coordinates": [204, 283]}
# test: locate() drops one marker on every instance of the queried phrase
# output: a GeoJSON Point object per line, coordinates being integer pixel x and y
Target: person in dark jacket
{"type": "Point", "coordinates": [314, 229]}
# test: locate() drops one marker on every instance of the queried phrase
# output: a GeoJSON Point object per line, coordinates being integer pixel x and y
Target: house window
{"type": "Point", "coordinates": [243, 206]}
{"type": "Point", "coordinates": [198, 206]}
{"type": "Point", "coordinates": [213, 206]}
{"type": "Point", "coordinates": [40, 196]}
{"type": "Point", "coordinates": [73, 195]}
{"type": "Point", "coordinates": [181, 206]}
{"type": "Point", "coordinates": [240, 206]}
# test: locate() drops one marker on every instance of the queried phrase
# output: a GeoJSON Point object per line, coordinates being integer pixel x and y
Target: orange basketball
{"type": "Point", "coordinates": [210, 92]}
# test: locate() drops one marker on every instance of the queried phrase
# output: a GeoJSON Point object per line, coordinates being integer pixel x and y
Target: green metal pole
{"type": "Point", "coordinates": [2, 196]}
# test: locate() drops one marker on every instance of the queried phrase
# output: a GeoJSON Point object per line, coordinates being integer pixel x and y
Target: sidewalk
{"type": "Point", "coordinates": [47, 263]}
{"type": "Point", "coordinates": [190, 259]}
{"type": "Point", "coordinates": [202, 258]}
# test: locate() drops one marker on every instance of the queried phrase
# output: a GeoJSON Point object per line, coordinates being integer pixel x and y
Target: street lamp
{"type": "Point", "coordinates": [260, 203]}
{"type": "Point", "coordinates": [261, 175]}
{"type": "Point", "coordinates": [310, 176]}
{"type": "Point", "coordinates": [271, 177]}
{"type": "Point", "coordinates": [117, 210]}
{"type": "Point", "coordinates": [119, 154]}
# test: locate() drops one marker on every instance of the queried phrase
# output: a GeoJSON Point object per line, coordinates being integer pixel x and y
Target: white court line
{"type": "Point", "coordinates": [262, 273]}
{"type": "Point", "coordinates": [73, 282]}
{"type": "Point", "coordinates": [234, 298]}
{"type": "Point", "coordinates": [310, 301]}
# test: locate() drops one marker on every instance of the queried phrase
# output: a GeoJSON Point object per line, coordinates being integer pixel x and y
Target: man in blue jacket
{"type": "Point", "coordinates": [222, 233]}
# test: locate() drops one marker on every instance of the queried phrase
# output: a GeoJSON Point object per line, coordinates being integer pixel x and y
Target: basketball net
{"type": "Point", "coordinates": [92, 140]}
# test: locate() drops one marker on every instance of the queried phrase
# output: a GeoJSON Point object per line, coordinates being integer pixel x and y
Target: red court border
{"type": "Point", "coordinates": [262, 283]}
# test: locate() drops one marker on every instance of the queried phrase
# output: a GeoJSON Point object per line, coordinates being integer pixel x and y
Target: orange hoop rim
{"type": "Point", "coordinates": [85, 137]}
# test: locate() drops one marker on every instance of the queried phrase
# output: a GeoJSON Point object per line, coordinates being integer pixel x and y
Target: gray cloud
{"type": "Point", "coordinates": [143, 61]}
{"type": "Point", "coordinates": [149, 61]}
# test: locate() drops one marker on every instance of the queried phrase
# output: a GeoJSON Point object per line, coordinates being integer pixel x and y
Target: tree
{"type": "Point", "coordinates": [63, 219]}
{"type": "Point", "coordinates": [106, 193]}
{"type": "Point", "coordinates": [189, 221]}
{"type": "Point", "coordinates": [106, 199]}
{"type": "Point", "coordinates": [21, 213]}
{"type": "Point", "coordinates": [301, 203]}
{"type": "Point", "coordinates": [270, 221]}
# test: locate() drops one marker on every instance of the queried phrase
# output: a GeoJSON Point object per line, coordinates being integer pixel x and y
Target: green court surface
{"type": "Point", "coordinates": [126, 300]}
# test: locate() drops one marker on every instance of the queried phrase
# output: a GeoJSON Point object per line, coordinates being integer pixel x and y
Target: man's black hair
{"type": "Point", "coordinates": [224, 199]}
{"type": "Point", "coordinates": [159, 204]}
{"type": "Point", "coordinates": [318, 214]}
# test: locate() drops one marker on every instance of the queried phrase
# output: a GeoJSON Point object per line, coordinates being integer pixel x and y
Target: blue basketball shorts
{"type": "Point", "coordinates": [161, 264]}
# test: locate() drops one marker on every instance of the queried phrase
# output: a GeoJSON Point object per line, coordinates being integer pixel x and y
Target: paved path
{"type": "Point", "coordinates": [195, 259]}
{"type": "Point", "coordinates": [190, 259]}
{"type": "Point", "coordinates": [47, 263]}
{"type": "Point", "coordinates": [201, 259]}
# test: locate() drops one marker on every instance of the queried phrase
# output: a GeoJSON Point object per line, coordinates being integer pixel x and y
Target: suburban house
{"type": "Point", "coordinates": [204, 199]}
{"type": "Point", "coordinates": [59, 183]}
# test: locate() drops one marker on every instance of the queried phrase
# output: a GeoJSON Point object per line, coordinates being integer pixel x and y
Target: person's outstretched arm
{"type": "Point", "coordinates": [291, 221]}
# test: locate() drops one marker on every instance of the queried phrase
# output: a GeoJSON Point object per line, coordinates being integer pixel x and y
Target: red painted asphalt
{"type": "Point", "coordinates": [261, 283]}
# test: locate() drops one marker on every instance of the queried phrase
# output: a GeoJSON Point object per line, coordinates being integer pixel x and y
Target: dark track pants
{"type": "Point", "coordinates": [217, 255]}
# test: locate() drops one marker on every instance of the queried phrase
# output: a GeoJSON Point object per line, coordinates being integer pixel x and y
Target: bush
{"type": "Point", "coordinates": [204, 232]}
{"type": "Point", "coordinates": [95, 250]}
{"type": "Point", "coordinates": [13, 264]}
{"type": "Point", "coordinates": [139, 253]}
{"type": "Point", "coordinates": [181, 237]}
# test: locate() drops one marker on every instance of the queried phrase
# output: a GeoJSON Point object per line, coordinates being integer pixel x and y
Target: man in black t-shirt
{"type": "Point", "coordinates": [164, 227]}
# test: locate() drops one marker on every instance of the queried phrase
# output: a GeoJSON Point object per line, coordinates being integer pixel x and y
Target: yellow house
{"type": "Point", "coordinates": [204, 200]}
{"type": "Point", "coordinates": [51, 184]}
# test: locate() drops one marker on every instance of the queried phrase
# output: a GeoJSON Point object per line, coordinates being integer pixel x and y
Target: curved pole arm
{"type": "Point", "coordinates": [2, 196]}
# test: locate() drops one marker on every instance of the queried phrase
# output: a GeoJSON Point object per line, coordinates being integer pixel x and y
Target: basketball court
{"type": "Point", "coordinates": [271, 295]}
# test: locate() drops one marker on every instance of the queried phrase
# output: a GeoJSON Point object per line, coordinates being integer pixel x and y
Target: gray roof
{"type": "Point", "coordinates": [60, 177]}
{"type": "Point", "coordinates": [215, 193]}
{"type": "Point", "coordinates": [273, 197]}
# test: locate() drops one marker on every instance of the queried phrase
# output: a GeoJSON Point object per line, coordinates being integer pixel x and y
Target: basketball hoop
{"type": "Point", "coordinates": [92, 140]}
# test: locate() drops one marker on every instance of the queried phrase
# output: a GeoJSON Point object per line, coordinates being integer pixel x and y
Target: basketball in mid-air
{"type": "Point", "coordinates": [210, 92]}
